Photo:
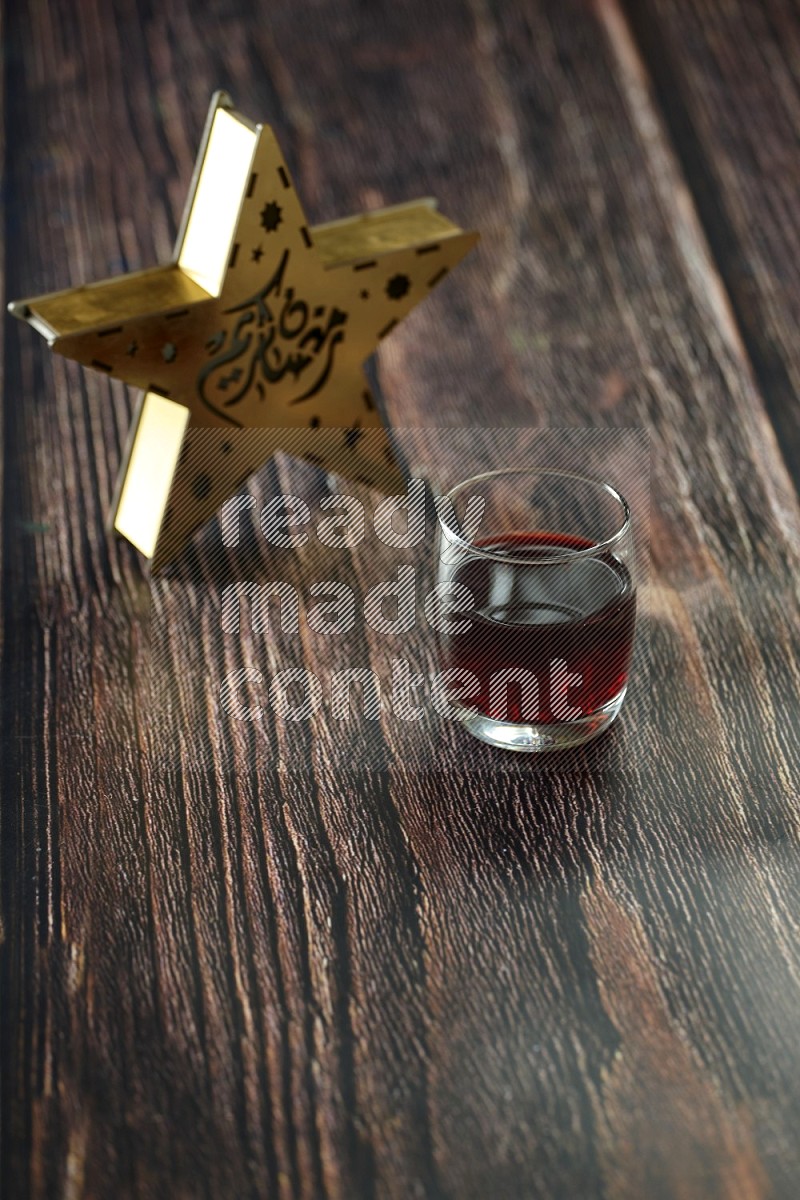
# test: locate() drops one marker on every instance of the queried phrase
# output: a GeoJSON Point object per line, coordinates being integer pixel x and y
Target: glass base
{"type": "Point", "coordinates": [536, 739]}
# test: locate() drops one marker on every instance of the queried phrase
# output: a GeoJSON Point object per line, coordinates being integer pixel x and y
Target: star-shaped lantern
{"type": "Point", "coordinates": [259, 323]}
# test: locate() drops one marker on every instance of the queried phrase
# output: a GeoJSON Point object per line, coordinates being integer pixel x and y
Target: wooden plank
{"type": "Point", "coordinates": [314, 960]}
{"type": "Point", "coordinates": [726, 80]}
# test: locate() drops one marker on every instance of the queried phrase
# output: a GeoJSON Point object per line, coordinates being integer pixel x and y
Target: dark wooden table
{"type": "Point", "coordinates": [300, 962]}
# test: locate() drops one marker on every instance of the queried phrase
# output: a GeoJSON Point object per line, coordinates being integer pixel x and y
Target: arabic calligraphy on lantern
{"type": "Point", "coordinates": [275, 335]}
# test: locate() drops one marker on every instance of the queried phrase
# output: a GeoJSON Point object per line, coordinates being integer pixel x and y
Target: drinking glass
{"type": "Point", "coordinates": [536, 569]}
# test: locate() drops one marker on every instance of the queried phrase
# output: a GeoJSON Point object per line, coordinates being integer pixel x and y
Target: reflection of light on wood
{"type": "Point", "coordinates": [151, 466]}
{"type": "Point", "coordinates": [221, 184]}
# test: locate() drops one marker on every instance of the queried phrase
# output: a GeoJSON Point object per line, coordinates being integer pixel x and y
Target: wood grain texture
{"type": "Point", "coordinates": [319, 960]}
{"type": "Point", "coordinates": [737, 138]}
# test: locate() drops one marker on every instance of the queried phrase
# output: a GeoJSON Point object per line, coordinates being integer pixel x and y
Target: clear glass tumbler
{"type": "Point", "coordinates": [537, 567]}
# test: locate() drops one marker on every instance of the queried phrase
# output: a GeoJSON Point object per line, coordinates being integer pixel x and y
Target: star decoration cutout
{"type": "Point", "coordinates": [271, 216]}
{"type": "Point", "coordinates": [252, 339]}
{"type": "Point", "coordinates": [397, 287]}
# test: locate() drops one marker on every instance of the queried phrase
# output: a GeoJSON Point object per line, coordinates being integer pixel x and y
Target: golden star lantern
{"type": "Point", "coordinates": [259, 323]}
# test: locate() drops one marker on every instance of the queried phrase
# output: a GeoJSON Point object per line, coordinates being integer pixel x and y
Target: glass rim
{"type": "Point", "coordinates": [567, 556]}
